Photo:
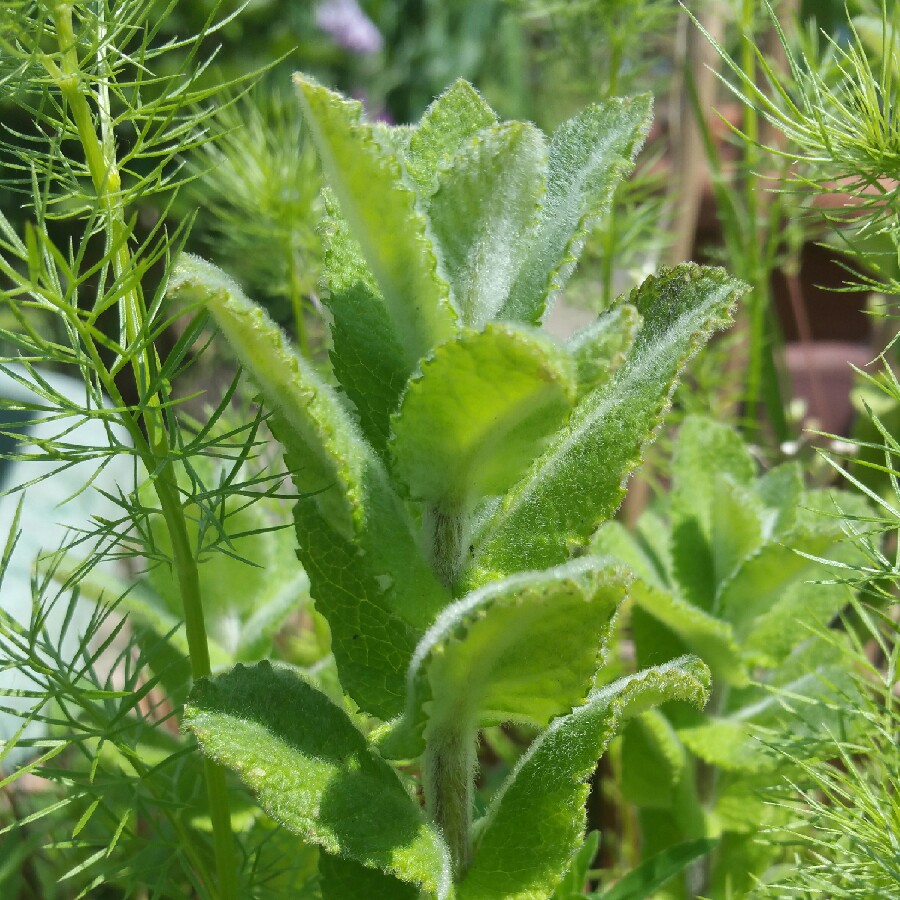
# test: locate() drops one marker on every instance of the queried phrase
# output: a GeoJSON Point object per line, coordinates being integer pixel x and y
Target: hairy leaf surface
{"type": "Point", "coordinates": [579, 480]}
{"type": "Point", "coordinates": [357, 542]}
{"type": "Point", "coordinates": [367, 355]}
{"type": "Point", "coordinates": [536, 821]}
{"type": "Point", "coordinates": [341, 879]}
{"type": "Point", "coordinates": [469, 668]}
{"type": "Point", "coordinates": [710, 638]}
{"type": "Point", "coordinates": [478, 412]}
{"type": "Point", "coordinates": [367, 179]}
{"type": "Point", "coordinates": [447, 124]}
{"type": "Point", "coordinates": [589, 155]}
{"type": "Point", "coordinates": [313, 772]}
{"type": "Point", "coordinates": [572, 885]}
{"type": "Point", "coordinates": [483, 213]}
{"type": "Point", "coordinates": [601, 347]}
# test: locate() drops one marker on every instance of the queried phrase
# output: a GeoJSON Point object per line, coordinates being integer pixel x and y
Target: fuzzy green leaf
{"type": "Point", "coordinates": [367, 179]}
{"type": "Point", "coordinates": [705, 447]}
{"type": "Point", "coordinates": [780, 490]}
{"type": "Point", "coordinates": [448, 123]}
{"type": "Point", "coordinates": [579, 480]}
{"type": "Point", "coordinates": [353, 531]}
{"type": "Point", "coordinates": [366, 353]}
{"type": "Point", "coordinates": [589, 155]}
{"type": "Point", "coordinates": [757, 585]}
{"type": "Point", "coordinates": [615, 540]}
{"type": "Point", "coordinates": [729, 745]}
{"type": "Point", "coordinates": [737, 525]}
{"type": "Point", "coordinates": [734, 518]}
{"type": "Point", "coordinates": [484, 211]}
{"type": "Point", "coordinates": [653, 761]}
{"type": "Point", "coordinates": [478, 412]}
{"type": "Point", "coordinates": [710, 638]}
{"type": "Point", "coordinates": [536, 821]}
{"type": "Point", "coordinates": [773, 635]}
{"type": "Point", "coordinates": [314, 773]}
{"type": "Point", "coordinates": [343, 878]}
{"type": "Point", "coordinates": [468, 667]}
{"type": "Point", "coordinates": [600, 348]}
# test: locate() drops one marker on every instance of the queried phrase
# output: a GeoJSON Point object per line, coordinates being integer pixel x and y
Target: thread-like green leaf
{"type": "Point", "coordinates": [381, 209]}
{"type": "Point", "coordinates": [536, 820]}
{"type": "Point", "coordinates": [589, 156]}
{"type": "Point", "coordinates": [446, 125]}
{"type": "Point", "coordinates": [313, 772]}
{"type": "Point", "coordinates": [483, 214]}
{"type": "Point", "coordinates": [354, 533]}
{"type": "Point", "coordinates": [644, 880]}
{"type": "Point", "coordinates": [478, 412]}
{"type": "Point", "coordinates": [579, 480]}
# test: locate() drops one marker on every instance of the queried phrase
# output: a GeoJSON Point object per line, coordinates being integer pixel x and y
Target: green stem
{"type": "Point", "coordinates": [101, 162]}
{"type": "Point", "coordinates": [445, 531]}
{"type": "Point", "coordinates": [752, 264]}
{"type": "Point", "coordinates": [449, 779]}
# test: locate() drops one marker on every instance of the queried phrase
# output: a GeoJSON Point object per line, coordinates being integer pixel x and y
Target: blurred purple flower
{"type": "Point", "coordinates": [348, 26]}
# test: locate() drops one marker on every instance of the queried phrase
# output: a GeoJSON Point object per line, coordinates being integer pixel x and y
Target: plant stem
{"type": "Point", "coordinates": [754, 272]}
{"type": "Point", "coordinates": [449, 776]}
{"type": "Point", "coordinates": [101, 161]}
{"type": "Point", "coordinates": [100, 157]}
{"type": "Point", "coordinates": [445, 536]}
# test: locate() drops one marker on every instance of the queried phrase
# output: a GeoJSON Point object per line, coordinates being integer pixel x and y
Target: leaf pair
{"type": "Point", "coordinates": [314, 773]}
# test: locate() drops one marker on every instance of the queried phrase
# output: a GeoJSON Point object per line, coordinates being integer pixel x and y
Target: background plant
{"type": "Point", "coordinates": [841, 800]}
{"type": "Point", "coordinates": [724, 571]}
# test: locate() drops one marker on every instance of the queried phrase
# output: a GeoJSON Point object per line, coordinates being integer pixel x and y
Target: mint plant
{"type": "Point", "coordinates": [448, 487]}
{"type": "Point", "coordinates": [734, 571]}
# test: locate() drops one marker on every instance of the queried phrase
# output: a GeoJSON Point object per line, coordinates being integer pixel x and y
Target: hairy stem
{"type": "Point", "coordinates": [449, 777]}
{"type": "Point", "coordinates": [445, 534]}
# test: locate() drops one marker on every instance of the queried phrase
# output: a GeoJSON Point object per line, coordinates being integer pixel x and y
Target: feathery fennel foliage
{"type": "Point", "coordinates": [838, 111]}
{"type": "Point", "coordinates": [111, 124]}
{"type": "Point", "coordinates": [842, 806]}
{"type": "Point", "coordinates": [449, 486]}
{"type": "Point", "coordinates": [836, 108]}
{"type": "Point", "coordinates": [259, 194]}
